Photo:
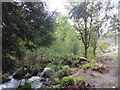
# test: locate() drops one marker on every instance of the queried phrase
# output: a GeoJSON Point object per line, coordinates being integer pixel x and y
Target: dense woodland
{"type": "Point", "coordinates": [34, 38]}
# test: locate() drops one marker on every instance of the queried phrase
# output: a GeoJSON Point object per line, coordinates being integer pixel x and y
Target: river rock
{"type": "Point", "coordinates": [33, 78]}
{"type": "Point", "coordinates": [43, 80]}
{"type": "Point", "coordinates": [20, 73]}
{"type": "Point", "coordinates": [47, 73]}
{"type": "Point", "coordinates": [5, 79]}
{"type": "Point", "coordinates": [83, 60]}
{"type": "Point", "coordinates": [47, 83]}
{"type": "Point", "coordinates": [28, 75]}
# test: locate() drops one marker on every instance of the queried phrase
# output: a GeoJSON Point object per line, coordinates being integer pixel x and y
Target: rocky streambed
{"type": "Point", "coordinates": [36, 81]}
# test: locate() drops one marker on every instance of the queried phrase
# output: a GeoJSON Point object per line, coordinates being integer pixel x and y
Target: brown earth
{"type": "Point", "coordinates": [102, 80]}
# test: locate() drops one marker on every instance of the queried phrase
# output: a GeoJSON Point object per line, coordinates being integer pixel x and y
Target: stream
{"type": "Point", "coordinates": [37, 81]}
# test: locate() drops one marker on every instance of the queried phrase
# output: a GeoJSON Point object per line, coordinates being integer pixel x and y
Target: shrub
{"type": "Point", "coordinates": [103, 45]}
{"type": "Point", "coordinates": [80, 80]}
{"type": "Point", "coordinates": [109, 85]}
{"type": "Point", "coordinates": [55, 81]}
{"type": "Point", "coordinates": [27, 85]}
{"type": "Point", "coordinates": [75, 63]}
{"type": "Point", "coordinates": [9, 64]}
{"type": "Point", "coordinates": [86, 66]}
{"type": "Point", "coordinates": [64, 71]}
{"type": "Point", "coordinates": [35, 69]}
{"type": "Point", "coordinates": [93, 61]}
{"type": "Point", "coordinates": [67, 81]}
{"type": "Point", "coordinates": [94, 64]}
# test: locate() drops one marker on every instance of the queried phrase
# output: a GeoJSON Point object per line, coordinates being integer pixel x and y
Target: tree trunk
{"type": "Point", "coordinates": [86, 37]}
{"type": "Point", "coordinates": [94, 51]}
{"type": "Point", "coordinates": [86, 51]}
{"type": "Point", "coordinates": [94, 48]}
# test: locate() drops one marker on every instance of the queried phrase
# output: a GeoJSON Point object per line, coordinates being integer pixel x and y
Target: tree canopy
{"type": "Point", "coordinates": [88, 21]}
{"type": "Point", "coordinates": [25, 26]}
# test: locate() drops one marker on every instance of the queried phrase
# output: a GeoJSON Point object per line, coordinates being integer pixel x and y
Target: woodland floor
{"type": "Point", "coordinates": [108, 57]}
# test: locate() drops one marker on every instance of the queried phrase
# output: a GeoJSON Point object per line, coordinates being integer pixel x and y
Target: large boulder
{"type": "Point", "coordinates": [83, 60]}
{"type": "Point", "coordinates": [5, 79]}
{"type": "Point", "coordinates": [36, 69]}
{"type": "Point", "coordinates": [20, 73]}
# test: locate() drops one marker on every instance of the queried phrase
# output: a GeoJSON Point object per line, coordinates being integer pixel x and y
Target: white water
{"type": "Point", "coordinates": [45, 69]}
{"type": "Point", "coordinates": [13, 83]}
{"type": "Point", "coordinates": [35, 80]}
{"type": "Point", "coordinates": [37, 84]}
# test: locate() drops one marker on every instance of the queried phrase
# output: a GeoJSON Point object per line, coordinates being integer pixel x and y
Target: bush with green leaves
{"type": "Point", "coordinates": [27, 85]}
{"type": "Point", "coordinates": [65, 71]}
{"type": "Point", "coordinates": [55, 81]}
{"type": "Point", "coordinates": [8, 64]}
{"type": "Point", "coordinates": [103, 45]}
{"type": "Point", "coordinates": [109, 85]}
{"type": "Point", "coordinates": [79, 80]}
{"type": "Point", "coordinates": [94, 64]}
{"type": "Point", "coordinates": [67, 81]}
{"type": "Point", "coordinates": [86, 66]}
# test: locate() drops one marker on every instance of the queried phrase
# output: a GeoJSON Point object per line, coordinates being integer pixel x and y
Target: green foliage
{"type": "Point", "coordinates": [75, 48]}
{"type": "Point", "coordinates": [67, 81]}
{"type": "Point", "coordinates": [71, 81]}
{"type": "Point", "coordinates": [64, 71]}
{"type": "Point", "coordinates": [79, 80]}
{"type": "Point", "coordinates": [66, 43]}
{"type": "Point", "coordinates": [114, 24]}
{"type": "Point", "coordinates": [103, 45]}
{"type": "Point", "coordinates": [93, 61]}
{"type": "Point", "coordinates": [58, 87]}
{"type": "Point", "coordinates": [27, 85]}
{"type": "Point", "coordinates": [88, 23]}
{"type": "Point", "coordinates": [108, 34]}
{"type": "Point", "coordinates": [86, 66]}
{"type": "Point", "coordinates": [26, 26]}
{"type": "Point", "coordinates": [75, 63]}
{"type": "Point", "coordinates": [55, 81]}
{"type": "Point", "coordinates": [90, 53]}
{"type": "Point", "coordinates": [36, 68]}
{"type": "Point", "coordinates": [60, 71]}
{"type": "Point", "coordinates": [92, 65]}
{"type": "Point", "coordinates": [8, 64]}
{"type": "Point", "coordinates": [109, 85]}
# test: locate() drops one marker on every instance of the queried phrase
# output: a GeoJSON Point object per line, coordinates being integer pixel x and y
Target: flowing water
{"type": "Point", "coordinates": [37, 81]}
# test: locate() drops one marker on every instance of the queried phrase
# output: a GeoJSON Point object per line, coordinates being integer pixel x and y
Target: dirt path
{"type": "Point", "coordinates": [110, 79]}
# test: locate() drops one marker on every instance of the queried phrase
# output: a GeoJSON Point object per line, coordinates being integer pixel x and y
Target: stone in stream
{"type": "Point", "coordinates": [5, 79]}
{"type": "Point", "coordinates": [20, 73]}
{"type": "Point", "coordinates": [18, 81]}
{"type": "Point", "coordinates": [46, 73]}
{"type": "Point", "coordinates": [13, 83]}
{"type": "Point", "coordinates": [33, 78]}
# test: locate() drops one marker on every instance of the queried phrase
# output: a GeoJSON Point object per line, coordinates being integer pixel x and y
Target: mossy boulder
{"type": "Point", "coordinates": [5, 79]}
{"type": "Point", "coordinates": [65, 81]}
{"type": "Point", "coordinates": [36, 68]}
{"type": "Point", "coordinates": [83, 60]}
{"type": "Point", "coordinates": [20, 73]}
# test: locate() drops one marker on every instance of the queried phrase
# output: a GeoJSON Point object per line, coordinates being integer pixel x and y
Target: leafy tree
{"type": "Point", "coordinates": [114, 26]}
{"type": "Point", "coordinates": [66, 36]}
{"type": "Point", "coordinates": [88, 21]}
{"type": "Point", "coordinates": [26, 25]}
{"type": "Point", "coordinates": [75, 48]}
{"type": "Point", "coordinates": [66, 42]}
